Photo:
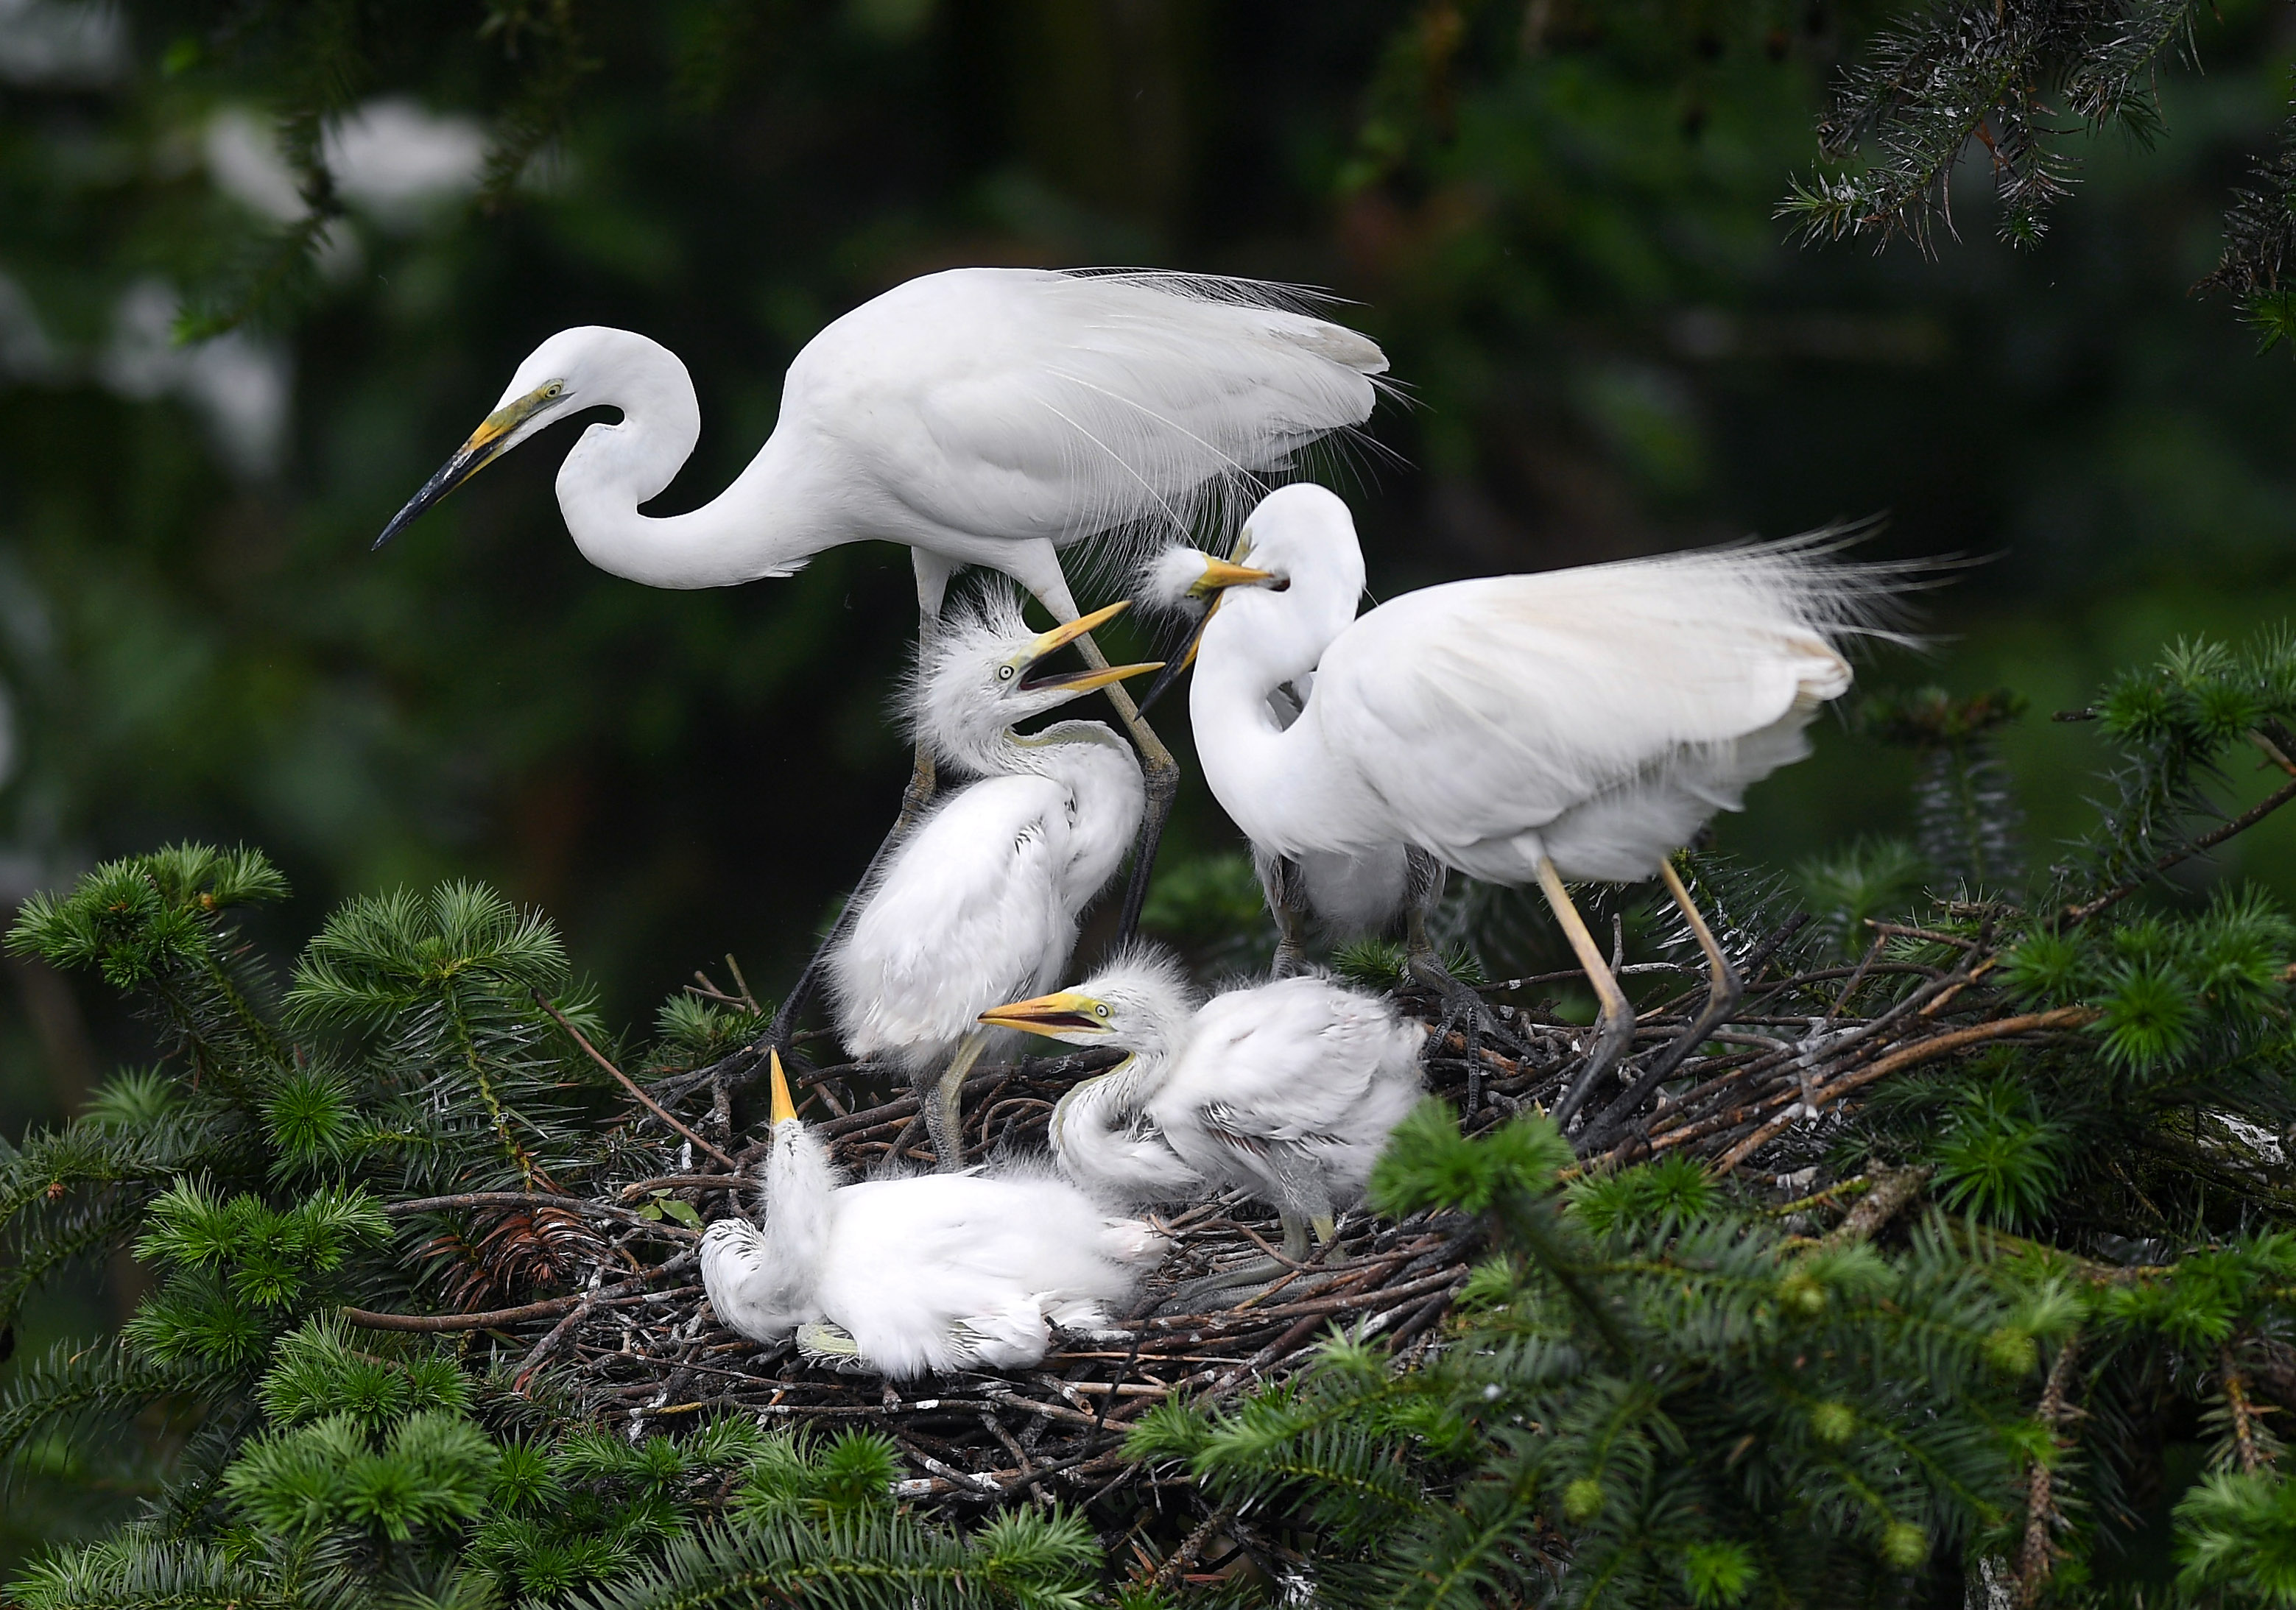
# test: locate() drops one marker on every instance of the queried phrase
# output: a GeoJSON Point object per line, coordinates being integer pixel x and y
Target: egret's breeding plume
{"type": "Point", "coordinates": [979, 904]}
{"type": "Point", "coordinates": [981, 416]}
{"type": "Point", "coordinates": [904, 1277]}
{"type": "Point", "coordinates": [1285, 1089]}
{"type": "Point", "coordinates": [1577, 725]}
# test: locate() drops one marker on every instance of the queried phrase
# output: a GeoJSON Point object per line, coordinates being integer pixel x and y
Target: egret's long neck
{"type": "Point", "coordinates": [1097, 1105]}
{"type": "Point", "coordinates": [766, 523]}
{"type": "Point", "coordinates": [1053, 752]}
{"type": "Point", "coordinates": [795, 1191]}
{"type": "Point", "coordinates": [1278, 782]}
{"type": "Point", "coordinates": [1086, 1124]}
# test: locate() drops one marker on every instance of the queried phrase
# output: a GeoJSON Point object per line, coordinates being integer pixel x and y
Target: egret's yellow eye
{"type": "Point", "coordinates": [1004, 673]}
{"type": "Point", "coordinates": [555, 388]}
{"type": "Point", "coordinates": [1101, 1010]}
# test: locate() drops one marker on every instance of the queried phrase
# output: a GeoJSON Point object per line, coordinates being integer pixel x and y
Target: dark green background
{"type": "Point", "coordinates": [1556, 216]}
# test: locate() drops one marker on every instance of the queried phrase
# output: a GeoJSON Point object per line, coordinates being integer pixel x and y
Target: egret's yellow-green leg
{"type": "Point", "coordinates": [1724, 988]}
{"type": "Point", "coordinates": [1257, 1272]}
{"type": "Point", "coordinates": [1615, 1029]}
{"type": "Point", "coordinates": [943, 1099]}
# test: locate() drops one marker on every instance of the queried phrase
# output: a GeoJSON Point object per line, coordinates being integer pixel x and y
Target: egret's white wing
{"type": "Point", "coordinates": [1021, 403]}
{"type": "Point", "coordinates": [967, 915]}
{"type": "Point", "coordinates": [1482, 709]}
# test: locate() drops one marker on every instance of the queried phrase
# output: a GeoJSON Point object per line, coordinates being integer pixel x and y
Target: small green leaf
{"type": "Point", "coordinates": [683, 1212]}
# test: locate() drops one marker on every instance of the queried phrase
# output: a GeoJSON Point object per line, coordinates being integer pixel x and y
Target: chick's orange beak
{"type": "Point", "coordinates": [783, 1108]}
{"type": "Point", "coordinates": [1067, 1011]}
{"type": "Point", "coordinates": [1034, 681]}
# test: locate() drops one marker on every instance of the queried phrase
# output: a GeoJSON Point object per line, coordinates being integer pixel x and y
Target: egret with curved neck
{"type": "Point", "coordinates": [1286, 1091]}
{"type": "Point", "coordinates": [980, 416]}
{"type": "Point", "coordinates": [1578, 724]}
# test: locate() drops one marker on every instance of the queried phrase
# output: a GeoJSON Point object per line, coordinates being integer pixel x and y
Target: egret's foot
{"type": "Point", "coordinates": [830, 1346]}
{"type": "Point", "coordinates": [1614, 1036]}
{"type": "Point", "coordinates": [1240, 1284]}
{"type": "Point", "coordinates": [1225, 1289]}
{"type": "Point", "coordinates": [1612, 1121]}
{"type": "Point", "coordinates": [1725, 989]}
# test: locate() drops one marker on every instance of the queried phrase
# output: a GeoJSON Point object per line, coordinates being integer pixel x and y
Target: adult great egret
{"type": "Point", "coordinates": [981, 416]}
{"type": "Point", "coordinates": [979, 901]}
{"type": "Point", "coordinates": [1577, 724]}
{"type": "Point", "coordinates": [1350, 892]}
{"type": "Point", "coordinates": [904, 1277]}
{"type": "Point", "coordinates": [1285, 1089]}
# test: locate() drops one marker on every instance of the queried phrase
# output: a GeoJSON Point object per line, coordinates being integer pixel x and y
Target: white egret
{"type": "Point", "coordinates": [979, 904]}
{"type": "Point", "coordinates": [1285, 1089]}
{"type": "Point", "coordinates": [1349, 893]}
{"type": "Point", "coordinates": [981, 416]}
{"type": "Point", "coordinates": [1578, 723]}
{"type": "Point", "coordinates": [906, 1277]}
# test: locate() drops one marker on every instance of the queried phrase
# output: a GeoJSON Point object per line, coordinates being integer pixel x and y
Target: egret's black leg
{"type": "Point", "coordinates": [1159, 771]}
{"type": "Point", "coordinates": [1616, 1027]}
{"type": "Point", "coordinates": [1161, 774]}
{"type": "Point", "coordinates": [1287, 902]}
{"type": "Point", "coordinates": [1723, 989]}
{"type": "Point", "coordinates": [915, 799]}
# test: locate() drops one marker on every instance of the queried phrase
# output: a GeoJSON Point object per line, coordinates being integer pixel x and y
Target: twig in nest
{"type": "Point", "coordinates": [628, 1083]}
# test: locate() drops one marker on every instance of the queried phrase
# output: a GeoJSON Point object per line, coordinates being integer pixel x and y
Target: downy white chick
{"type": "Point", "coordinates": [980, 903]}
{"type": "Point", "coordinates": [915, 1276]}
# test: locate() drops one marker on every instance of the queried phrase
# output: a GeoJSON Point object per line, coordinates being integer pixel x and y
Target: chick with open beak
{"type": "Point", "coordinates": [980, 902]}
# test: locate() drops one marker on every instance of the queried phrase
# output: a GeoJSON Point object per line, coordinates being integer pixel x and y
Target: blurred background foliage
{"type": "Point", "coordinates": [1558, 216]}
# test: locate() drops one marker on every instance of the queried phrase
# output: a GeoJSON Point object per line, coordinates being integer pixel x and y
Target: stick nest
{"type": "Point", "coordinates": [639, 1347]}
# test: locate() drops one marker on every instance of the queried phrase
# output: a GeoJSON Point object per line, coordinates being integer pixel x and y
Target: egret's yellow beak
{"type": "Point", "coordinates": [1067, 1012]}
{"type": "Point", "coordinates": [487, 444]}
{"type": "Point", "coordinates": [1219, 574]}
{"type": "Point", "coordinates": [783, 1108]}
{"type": "Point", "coordinates": [1033, 681]}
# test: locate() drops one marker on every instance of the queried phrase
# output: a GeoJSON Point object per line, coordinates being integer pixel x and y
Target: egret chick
{"type": "Point", "coordinates": [911, 1276]}
{"type": "Point", "coordinates": [1578, 723]}
{"type": "Point", "coordinates": [980, 903]}
{"type": "Point", "coordinates": [1286, 1091]}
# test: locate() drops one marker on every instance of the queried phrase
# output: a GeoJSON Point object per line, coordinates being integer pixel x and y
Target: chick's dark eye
{"type": "Point", "coordinates": [1101, 1010]}
{"type": "Point", "coordinates": [1004, 673]}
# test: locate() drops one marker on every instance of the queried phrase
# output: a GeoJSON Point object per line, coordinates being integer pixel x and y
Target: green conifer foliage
{"type": "Point", "coordinates": [1648, 1383]}
{"type": "Point", "coordinates": [1985, 1319]}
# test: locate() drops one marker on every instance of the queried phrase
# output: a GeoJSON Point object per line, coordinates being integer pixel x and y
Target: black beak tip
{"type": "Point", "coordinates": [1164, 679]}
